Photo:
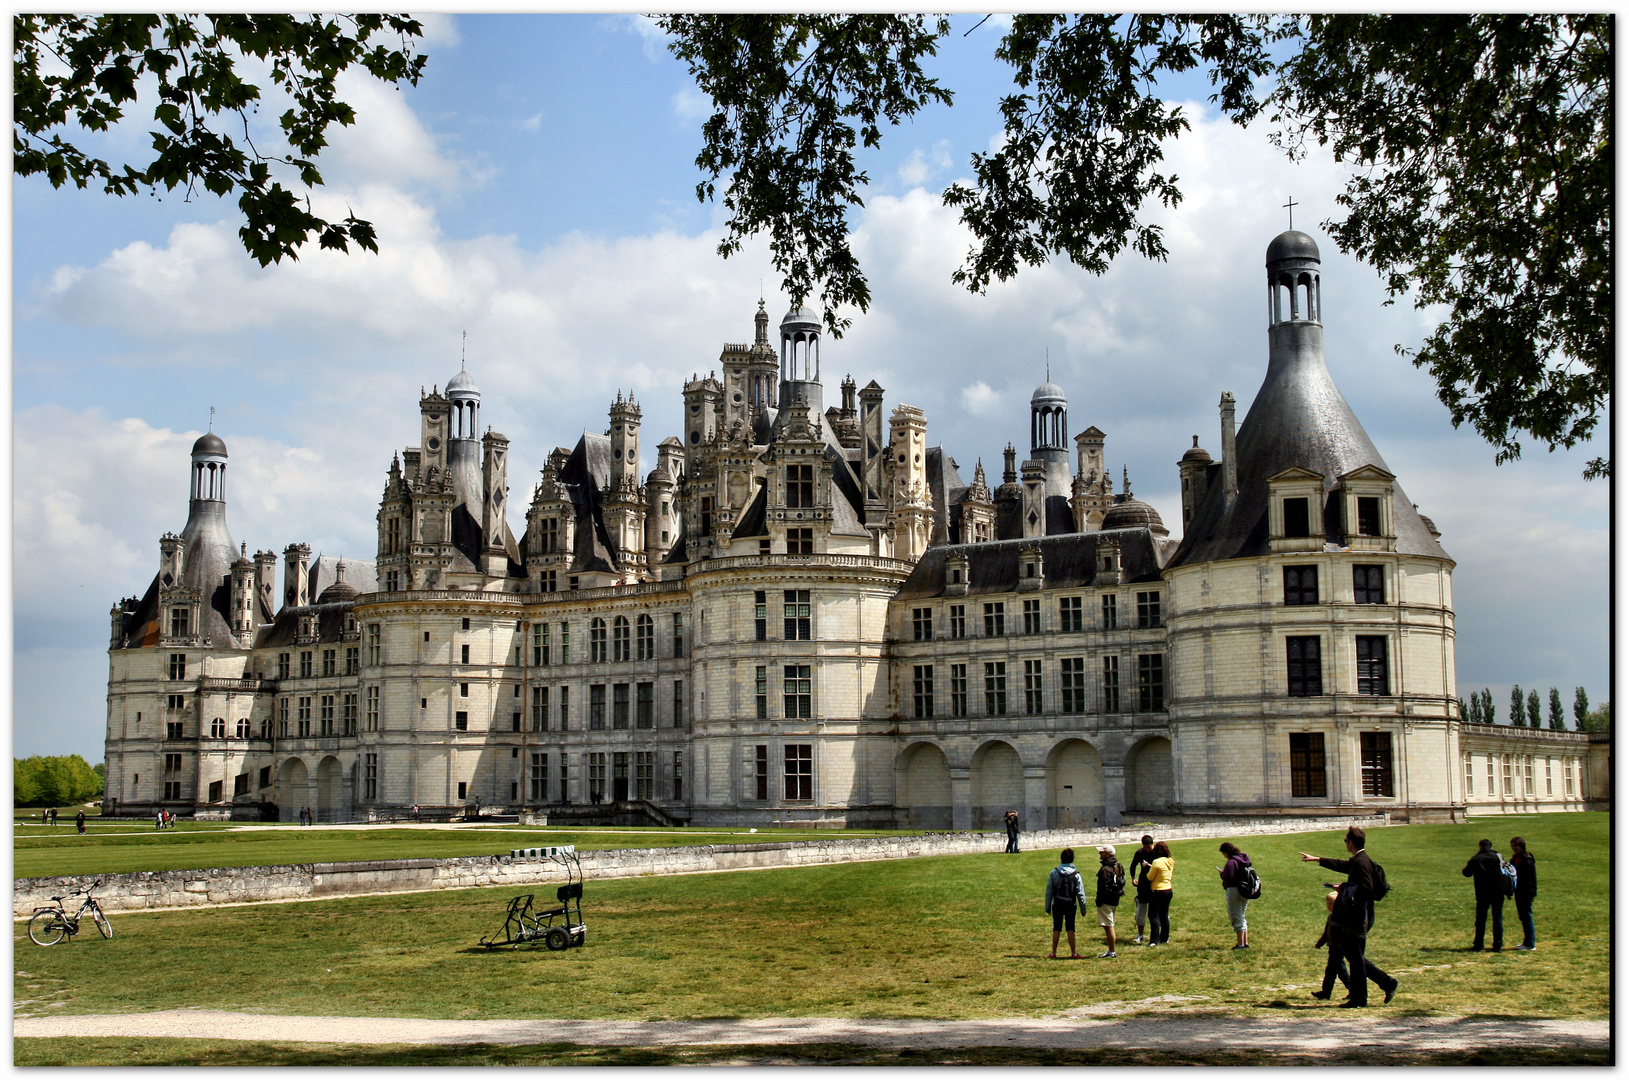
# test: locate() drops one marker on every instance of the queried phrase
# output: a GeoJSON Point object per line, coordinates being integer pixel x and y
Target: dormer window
{"type": "Point", "coordinates": [180, 621]}
{"type": "Point", "coordinates": [1368, 515]}
{"type": "Point", "coordinates": [1295, 510]}
{"type": "Point", "coordinates": [1296, 518]}
{"type": "Point", "coordinates": [1365, 496]}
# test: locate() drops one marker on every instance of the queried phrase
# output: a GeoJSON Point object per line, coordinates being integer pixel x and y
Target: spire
{"type": "Point", "coordinates": [1125, 475]}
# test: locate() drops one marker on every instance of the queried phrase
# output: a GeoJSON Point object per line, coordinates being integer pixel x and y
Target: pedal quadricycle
{"type": "Point", "coordinates": [559, 927]}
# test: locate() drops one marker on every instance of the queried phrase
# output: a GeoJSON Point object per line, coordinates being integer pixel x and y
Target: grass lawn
{"type": "Point", "coordinates": [42, 851]}
{"type": "Point", "coordinates": [949, 937]}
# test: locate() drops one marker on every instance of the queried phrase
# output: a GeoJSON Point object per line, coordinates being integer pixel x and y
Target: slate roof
{"type": "Point", "coordinates": [1068, 562]}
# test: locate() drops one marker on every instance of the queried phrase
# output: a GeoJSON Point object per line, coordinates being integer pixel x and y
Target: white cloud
{"type": "Point", "coordinates": [653, 42]}
{"type": "Point", "coordinates": [692, 106]}
{"type": "Point", "coordinates": [922, 167]}
{"type": "Point", "coordinates": [979, 400]}
{"type": "Point", "coordinates": [531, 123]}
{"type": "Point", "coordinates": [440, 31]}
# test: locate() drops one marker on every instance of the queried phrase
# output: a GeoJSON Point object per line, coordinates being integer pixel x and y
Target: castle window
{"type": "Point", "coordinates": [922, 690]}
{"type": "Point", "coordinates": [798, 692]}
{"type": "Point", "coordinates": [619, 707]}
{"type": "Point", "coordinates": [464, 624]}
{"type": "Point", "coordinates": [760, 615]}
{"type": "Point", "coordinates": [1110, 617]}
{"type": "Point", "coordinates": [1374, 749]}
{"type": "Point", "coordinates": [175, 729]}
{"type": "Point", "coordinates": [800, 486]}
{"type": "Point", "coordinates": [265, 776]}
{"type": "Point", "coordinates": [347, 714]}
{"type": "Point", "coordinates": [548, 536]}
{"type": "Point", "coordinates": [463, 790]}
{"type": "Point", "coordinates": [1304, 662]}
{"type": "Point", "coordinates": [1527, 773]}
{"type": "Point", "coordinates": [325, 714]}
{"type": "Point", "coordinates": [215, 790]}
{"type": "Point", "coordinates": [1300, 585]}
{"type": "Point", "coordinates": [1111, 684]}
{"type": "Point", "coordinates": [463, 689]}
{"type": "Point", "coordinates": [995, 689]}
{"type": "Point", "coordinates": [799, 771]}
{"type": "Point", "coordinates": [548, 581]}
{"type": "Point", "coordinates": [540, 645]}
{"type": "Point", "coordinates": [958, 620]}
{"type": "Point", "coordinates": [1151, 683]}
{"type": "Point", "coordinates": [678, 774]}
{"type": "Point", "coordinates": [596, 708]}
{"type": "Point", "coordinates": [540, 708]}
{"type": "Point", "coordinates": [1549, 776]}
{"type": "Point", "coordinates": [1072, 676]}
{"type": "Point", "coordinates": [217, 728]}
{"type": "Point", "coordinates": [763, 546]}
{"type": "Point", "coordinates": [1470, 777]}
{"type": "Point", "coordinates": [177, 701]}
{"type": "Point", "coordinates": [463, 654]}
{"type": "Point", "coordinates": [1504, 765]}
{"type": "Point", "coordinates": [240, 785]}
{"type": "Point", "coordinates": [1368, 585]}
{"type": "Point", "coordinates": [761, 693]}
{"type": "Point", "coordinates": [760, 772]}
{"type": "Point", "coordinates": [572, 583]}
{"type": "Point", "coordinates": [1032, 616]}
{"type": "Point", "coordinates": [393, 581]}
{"type": "Point", "coordinates": [178, 621]}
{"type": "Point", "coordinates": [328, 660]}
{"type": "Point", "coordinates": [621, 651]}
{"type": "Point", "coordinates": [282, 718]}
{"type": "Point", "coordinates": [172, 790]}
{"type": "Point", "coordinates": [393, 535]}
{"type": "Point", "coordinates": [596, 777]}
{"type": "Point", "coordinates": [353, 660]}
{"type": "Point", "coordinates": [1566, 776]}
{"type": "Point", "coordinates": [995, 620]}
{"type": "Point", "coordinates": [373, 708]}
{"type": "Point", "coordinates": [1368, 515]}
{"type": "Point", "coordinates": [1296, 520]}
{"type": "Point", "coordinates": [958, 689]}
{"type": "Point", "coordinates": [797, 614]}
{"type": "Point", "coordinates": [922, 624]}
{"type": "Point", "coordinates": [1307, 779]}
{"type": "Point", "coordinates": [645, 638]}
{"type": "Point", "coordinates": [1148, 609]}
{"type": "Point", "coordinates": [678, 705]}
{"type": "Point", "coordinates": [1371, 666]}
{"type": "Point", "coordinates": [303, 728]}
{"type": "Point", "coordinates": [282, 665]}
{"type": "Point", "coordinates": [645, 705]}
{"type": "Point", "coordinates": [370, 777]}
{"type": "Point", "coordinates": [172, 763]}
{"type": "Point", "coordinates": [678, 635]}
{"type": "Point", "coordinates": [1033, 700]}
{"type": "Point", "coordinates": [565, 713]}
{"type": "Point", "coordinates": [565, 643]}
{"type": "Point", "coordinates": [645, 774]}
{"type": "Point", "coordinates": [178, 666]}
{"type": "Point", "coordinates": [706, 515]}
{"type": "Point", "coordinates": [245, 729]}
{"type": "Point", "coordinates": [800, 542]}
{"type": "Point", "coordinates": [538, 779]}
{"type": "Point", "coordinates": [596, 641]}
{"type": "Point", "coordinates": [461, 722]}
{"type": "Point", "coordinates": [305, 665]}
{"type": "Point", "coordinates": [1069, 615]}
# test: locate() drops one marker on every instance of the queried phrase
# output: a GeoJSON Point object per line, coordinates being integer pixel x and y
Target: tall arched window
{"type": "Point", "coordinates": [243, 728]}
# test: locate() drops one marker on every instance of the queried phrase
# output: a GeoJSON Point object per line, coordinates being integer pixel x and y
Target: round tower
{"type": "Point", "coordinates": [800, 361]}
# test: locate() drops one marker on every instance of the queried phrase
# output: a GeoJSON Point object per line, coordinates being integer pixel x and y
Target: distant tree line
{"type": "Point", "coordinates": [1526, 710]}
{"type": "Point", "coordinates": [55, 781]}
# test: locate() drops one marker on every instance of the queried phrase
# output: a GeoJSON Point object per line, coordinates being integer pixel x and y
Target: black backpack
{"type": "Point", "coordinates": [1116, 885]}
{"type": "Point", "coordinates": [1066, 886]}
{"type": "Point", "coordinates": [1381, 886]}
{"type": "Point", "coordinates": [1249, 884]}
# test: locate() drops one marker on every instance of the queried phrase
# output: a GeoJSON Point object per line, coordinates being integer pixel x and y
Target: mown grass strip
{"type": "Point", "coordinates": [215, 1052]}
{"type": "Point", "coordinates": [947, 937]}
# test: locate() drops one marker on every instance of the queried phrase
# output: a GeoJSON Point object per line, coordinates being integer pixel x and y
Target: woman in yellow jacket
{"type": "Point", "coordinates": [1159, 908]}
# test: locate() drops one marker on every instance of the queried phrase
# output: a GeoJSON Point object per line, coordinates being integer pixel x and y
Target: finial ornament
{"type": "Point", "coordinates": [1291, 207]}
{"type": "Point", "coordinates": [212, 418]}
{"type": "Point", "coordinates": [463, 346]}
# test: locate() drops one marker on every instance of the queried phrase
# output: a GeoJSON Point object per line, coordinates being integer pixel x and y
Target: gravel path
{"type": "Point", "coordinates": [1268, 1035]}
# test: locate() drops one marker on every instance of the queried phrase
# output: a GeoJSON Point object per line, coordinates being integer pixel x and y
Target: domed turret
{"type": "Point", "coordinates": [209, 443]}
{"type": "Point", "coordinates": [1134, 514]}
{"type": "Point", "coordinates": [1292, 244]}
{"type": "Point", "coordinates": [1048, 393]}
{"type": "Point", "coordinates": [339, 590]}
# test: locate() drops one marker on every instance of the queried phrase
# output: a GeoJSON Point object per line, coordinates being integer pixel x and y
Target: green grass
{"type": "Point", "coordinates": [219, 1052]}
{"type": "Point", "coordinates": [40, 851]}
{"type": "Point", "coordinates": [948, 937]}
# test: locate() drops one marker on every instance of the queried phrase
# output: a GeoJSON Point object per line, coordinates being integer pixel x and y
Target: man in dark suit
{"type": "Point", "coordinates": [1352, 918]}
{"type": "Point", "coordinates": [1484, 872]}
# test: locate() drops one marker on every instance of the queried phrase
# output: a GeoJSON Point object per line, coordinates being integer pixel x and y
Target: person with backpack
{"type": "Point", "coordinates": [1138, 873]}
{"type": "Point", "coordinates": [1160, 873]}
{"type": "Point", "coordinates": [1240, 885]}
{"type": "Point", "coordinates": [1353, 917]}
{"type": "Point", "coordinates": [1526, 888]}
{"type": "Point", "coordinates": [1486, 871]}
{"type": "Point", "coordinates": [1065, 895]}
{"type": "Point", "coordinates": [1111, 886]}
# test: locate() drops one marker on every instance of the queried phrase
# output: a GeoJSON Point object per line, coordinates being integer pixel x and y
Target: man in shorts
{"type": "Point", "coordinates": [1065, 894]}
{"type": "Point", "coordinates": [1111, 885]}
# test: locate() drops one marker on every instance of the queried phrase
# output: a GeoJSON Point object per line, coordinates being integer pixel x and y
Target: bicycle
{"type": "Point", "coordinates": [50, 925]}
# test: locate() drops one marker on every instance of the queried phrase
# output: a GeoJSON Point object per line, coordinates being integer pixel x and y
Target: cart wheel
{"type": "Point", "coordinates": [556, 939]}
{"type": "Point", "coordinates": [579, 939]}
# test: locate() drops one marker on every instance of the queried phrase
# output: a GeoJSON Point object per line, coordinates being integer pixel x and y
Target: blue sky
{"type": "Point", "coordinates": [536, 191]}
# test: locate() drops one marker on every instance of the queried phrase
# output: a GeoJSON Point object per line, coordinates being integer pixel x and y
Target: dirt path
{"type": "Point", "coordinates": [1192, 1032]}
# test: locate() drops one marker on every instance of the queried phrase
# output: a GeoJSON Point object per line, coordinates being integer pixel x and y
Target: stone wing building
{"type": "Point", "coordinates": [803, 613]}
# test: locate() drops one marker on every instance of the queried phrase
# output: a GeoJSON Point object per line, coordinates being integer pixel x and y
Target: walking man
{"type": "Point", "coordinates": [1138, 873]}
{"type": "Point", "coordinates": [1489, 879]}
{"type": "Point", "coordinates": [80, 821]}
{"type": "Point", "coordinates": [1353, 917]}
{"type": "Point", "coordinates": [1012, 832]}
{"type": "Point", "coordinates": [1065, 895]}
{"type": "Point", "coordinates": [1111, 885]}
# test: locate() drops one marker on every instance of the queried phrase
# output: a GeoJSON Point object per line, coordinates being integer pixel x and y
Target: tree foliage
{"type": "Point", "coordinates": [1480, 149]}
{"type": "Point", "coordinates": [1558, 715]}
{"type": "Point", "coordinates": [84, 72]}
{"type": "Point", "coordinates": [1598, 718]}
{"type": "Point", "coordinates": [1534, 715]}
{"type": "Point", "coordinates": [1483, 145]}
{"type": "Point", "coordinates": [54, 781]}
{"type": "Point", "coordinates": [1580, 706]}
{"type": "Point", "coordinates": [1516, 705]}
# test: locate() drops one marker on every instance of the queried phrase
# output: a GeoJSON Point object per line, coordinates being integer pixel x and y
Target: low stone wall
{"type": "Point", "coordinates": [168, 889]}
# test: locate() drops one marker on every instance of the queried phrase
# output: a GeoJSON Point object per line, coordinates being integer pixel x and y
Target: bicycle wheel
{"type": "Point", "coordinates": [102, 923]}
{"type": "Point", "coordinates": [46, 927]}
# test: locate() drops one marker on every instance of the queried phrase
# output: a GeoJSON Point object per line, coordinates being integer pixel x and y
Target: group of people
{"type": "Point", "coordinates": [307, 817]}
{"type": "Point", "coordinates": [1349, 905]}
{"type": "Point", "coordinates": [1486, 870]}
{"type": "Point", "coordinates": [163, 820]}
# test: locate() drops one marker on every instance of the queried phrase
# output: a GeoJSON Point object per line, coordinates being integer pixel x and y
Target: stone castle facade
{"type": "Point", "coordinates": [803, 613]}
